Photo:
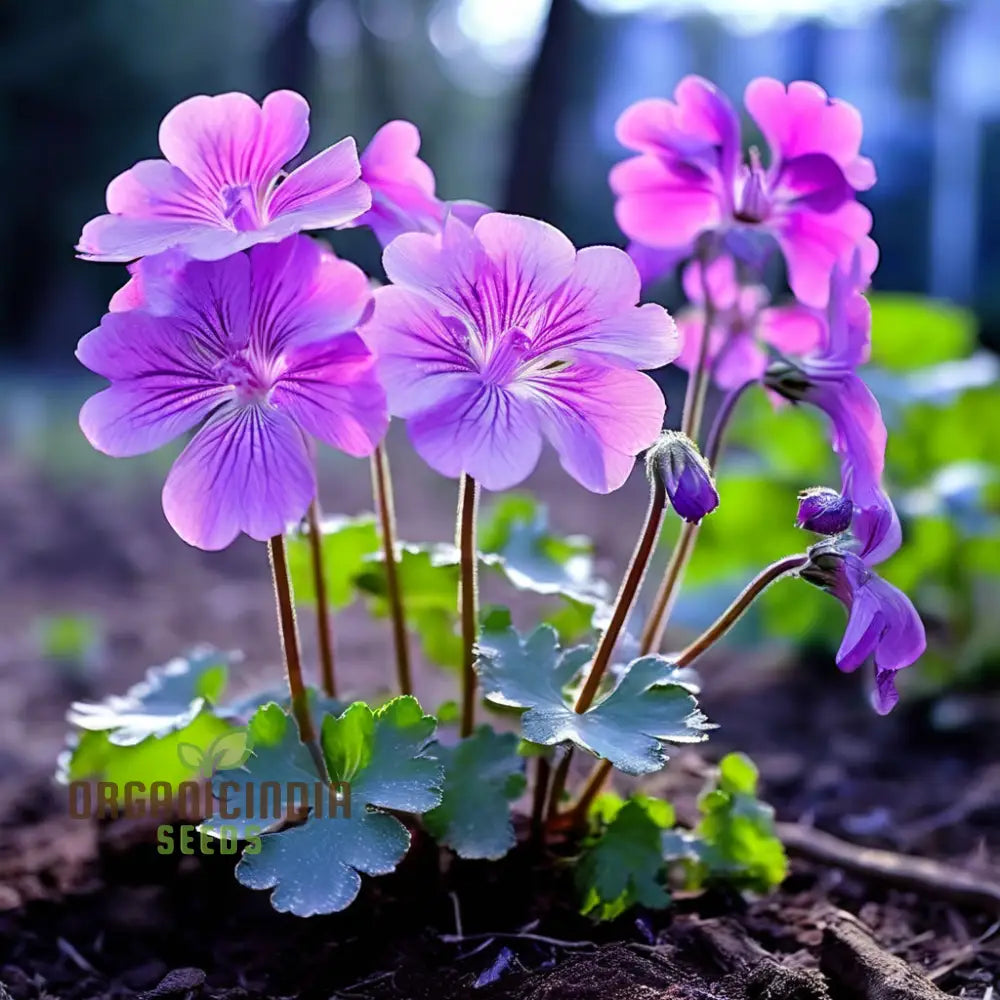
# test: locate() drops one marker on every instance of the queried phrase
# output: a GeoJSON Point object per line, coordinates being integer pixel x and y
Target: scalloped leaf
{"type": "Point", "coordinates": [622, 864]}
{"type": "Point", "coordinates": [651, 705]}
{"type": "Point", "coordinates": [167, 700]}
{"type": "Point", "coordinates": [483, 774]}
{"type": "Point", "coordinates": [316, 867]}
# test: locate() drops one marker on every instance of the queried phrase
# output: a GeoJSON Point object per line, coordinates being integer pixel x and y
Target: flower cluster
{"type": "Point", "coordinates": [497, 332]}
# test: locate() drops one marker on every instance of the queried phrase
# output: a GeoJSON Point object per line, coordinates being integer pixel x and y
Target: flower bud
{"type": "Point", "coordinates": [787, 380]}
{"type": "Point", "coordinates": [824, 511]}
{"type": "Point", "coordinates": [675, 462]}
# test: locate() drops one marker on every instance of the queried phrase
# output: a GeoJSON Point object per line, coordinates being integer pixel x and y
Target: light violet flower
{"type": "Point", "coordinates": [882, 623]}
{"type": "Point", "coordinates": [743, 325]}
{"type": "Point", "coordinates": [403, 186]}
{"type": "Point", "coordinates": [496, 337]}
{"type": "Point", "coordinates": [827, 378]}
{"type": "Point", "coordinates": [690, 178]}
{"type": "Point", "coordinates": [222, 187]}
{"type": "Point", "coordinates": [258, 349]}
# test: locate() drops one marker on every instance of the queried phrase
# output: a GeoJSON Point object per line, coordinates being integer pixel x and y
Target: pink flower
{"type": "Point", "coordinates": [221, 187]}
{"type": "Point", "coordinates": [402, 186]}
{"type": "Point", "coordinates": [258, 349]}
{"type": "Point", "coordinates": [496, 337]}
{"type": "Point", "coordinates": [690, 178]}
{"type": "Point", "coordinates": [742, 328]}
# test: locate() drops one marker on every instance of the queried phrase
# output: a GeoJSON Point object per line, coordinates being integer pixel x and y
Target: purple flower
{"type": "Point", "coordinates": [742, 328]}
{"type": "Point", "coordinates": [826, 378]}
{"type": "Point", "coordinates": [221, 187]}
{"type": "Point", "coordinates": [494, 337]}
{"type": "Point", "coordinates": [881, 621]}
{"type": "Point", "coordinates": [824, 511]}
{"type": "Point", "coordinates": [402, 186]}
{"type": "Point", "coordinates": [690, 178]}
{"type": "Point", "coordinates": [260, 350]}
{"type": "Point", "coordinates": [678, 464]}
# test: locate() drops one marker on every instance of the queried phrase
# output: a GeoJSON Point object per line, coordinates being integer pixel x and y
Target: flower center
{"type": "Point", "coordinates": [506, 357]}
{"type": "Point", "coordinates": [240, 207]}
{"type": "Point", "coordinates": [252, 382]}
{"type": "Point", "coordinates": [754, 203]}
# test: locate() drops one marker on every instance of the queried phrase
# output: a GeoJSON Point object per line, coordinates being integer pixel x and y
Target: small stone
{"type": "Point", "coordinates": [178, 981]}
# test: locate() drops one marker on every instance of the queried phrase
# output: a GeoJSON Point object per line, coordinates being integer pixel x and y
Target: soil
{"type": "Point", "coordinates": [93, 911]}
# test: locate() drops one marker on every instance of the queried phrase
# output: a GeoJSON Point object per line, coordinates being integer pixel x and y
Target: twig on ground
{"type": "Point", "coordinates": [516, 936]}
{"type": "Point", "coordinates": [966, 953]}
{"type": "Point", "coordinates": [75, 957]}
{"type": "Point", "coordinates": [851, 958]}
{"type": "Point", "coordinates": [923, 875]}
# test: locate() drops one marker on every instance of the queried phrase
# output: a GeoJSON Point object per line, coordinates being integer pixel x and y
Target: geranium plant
{"type": "Point", "coordinates": [493, 338]}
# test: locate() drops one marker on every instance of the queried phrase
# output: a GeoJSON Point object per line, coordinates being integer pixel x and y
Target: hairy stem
{"type": "Point", "coordinates": [288, 631]}
{"type": "Point", "coordinates": [716, 435]}
{"type": "Point", "coordinates": [626, 595]}
{"type": "Point", "coordinates": [783, 567]}
{"type": "Point", "coordinates": [698, 380]}
{"type": "Point", "coordinates": [384, 503]}
{"type": "Point", "coordinates": [666, 595]}
{"type": "Point", "coordinates": [468, 597]}
{"type": "Point", "coordinates": [324, 628]}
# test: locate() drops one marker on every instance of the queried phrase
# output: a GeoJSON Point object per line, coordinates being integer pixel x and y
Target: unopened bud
{"type": "Point", "coordinates": [675, 462]}
{"type": "Point", "coordinates": [824, 511]}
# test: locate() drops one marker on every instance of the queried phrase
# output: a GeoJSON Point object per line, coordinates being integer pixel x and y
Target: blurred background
{"type": "Point", "coordinates": [516, 101]}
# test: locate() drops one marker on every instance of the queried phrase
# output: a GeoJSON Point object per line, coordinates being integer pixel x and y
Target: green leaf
{"type": "Point", "coordinates": [347, 544]}
{"type": "Point", "coordinates": [911, 331]}
{"type": "Point", "coordinates": [316, 867]}
{"type": "Point", "coordinates": [483, 774]}
{"type": "Point", "coordinates": [154, 759]}
{"type": "Point", "coordinates": [623, 864]}
{"type": "Point", "coordinates": [735, 840]}
{"type": "Point", "coordinates": [629, 726]}
{"type": "Point", "coordinates": [67, 637]}
{"type": "Point", "coordinates": [168, 699]}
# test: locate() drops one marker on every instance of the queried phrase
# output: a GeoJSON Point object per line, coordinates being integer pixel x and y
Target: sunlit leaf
{"type": "Point", "coordinates": [347, 544]}
{"type": "Point", "coordinates": [912, 331]}
{"type": "Point", "coordinates": [629, 725]}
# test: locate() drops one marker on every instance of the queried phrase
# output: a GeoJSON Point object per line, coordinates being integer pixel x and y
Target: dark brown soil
{"type": "Point", "coordinates": [96, 913]}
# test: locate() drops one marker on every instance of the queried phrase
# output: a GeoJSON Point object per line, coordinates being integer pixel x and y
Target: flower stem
{"type": "Point", "coordinates": [558, 784]}
{"type": "Point", "coordinates": [698, 380]}
{"type": "Point", "coordinates": [288, 631]}
{"type": "Point", "coordinates": [716, 436]}
{"type": "Point", "coordinates": [589, 792]}
{"type": "Point", "coordinates": [783, 567]}
{"type": "Point", "coordinates": [666, 595]}
{"type": "Point", "coordinates": [384, 502]}
{"type": "Point", "coordinates": [543, 772]}
{"type": "Point", "coordinates": [468, 501]}
{"type": "Point", "coordinates": [323, 625]}
{"type": "Point", "coordinates": [626, 595]}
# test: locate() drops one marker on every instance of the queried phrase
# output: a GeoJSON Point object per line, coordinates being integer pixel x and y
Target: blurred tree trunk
{"type": "Point", "coordinates": [290, 62]}
{"type": "Point", "coordinates": [530, 180]}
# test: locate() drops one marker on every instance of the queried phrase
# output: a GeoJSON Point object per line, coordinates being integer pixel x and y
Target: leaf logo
{"type": "Point", "coordinates": [228, 751]}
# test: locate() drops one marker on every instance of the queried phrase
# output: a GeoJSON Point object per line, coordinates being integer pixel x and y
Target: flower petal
{"type": "Point", "coordinates": [246, 470]}
{"type": "Point", "coordinates": [793, 330]}
{"type": "Point", "coordinates": [330, 390]}
{"type": "Point", "coordinates": [598, 419]}
{"type": "Point", "coordinates": [301, 292]}
{"type": "Point", "coordinates": [661, 206]}
{"type": "Point", "coordinates": [325, 192]}
{"type": "Point", "coordinates": [802, 119]}
{"type": "Point", "coordinates": [229, 140]}
{"type": "Point", "coordinates": [422, 356]}
{"type": "Point", "coordinates": [160, 388]}
{"type": "Point", "coordinates": [595, 312]}
{"type": "Point", "coordinates": [814, 243]}
{"type": "Point", "coordinates": [490, 433]}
